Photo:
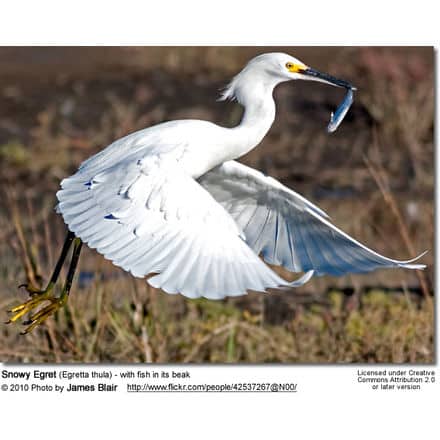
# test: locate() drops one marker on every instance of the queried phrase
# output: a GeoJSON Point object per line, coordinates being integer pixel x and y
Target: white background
{"type": "Point", "coordinates": [329, 404]}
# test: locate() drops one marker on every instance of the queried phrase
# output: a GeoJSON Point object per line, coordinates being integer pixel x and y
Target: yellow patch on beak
{"type": "Point", "coordinates": [295, 68]}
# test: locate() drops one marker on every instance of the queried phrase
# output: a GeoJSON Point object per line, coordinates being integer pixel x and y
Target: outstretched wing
{"type": "Point", "coordinates": [147, 216]}
{"type": "Point", "coordinates": [286, 228]}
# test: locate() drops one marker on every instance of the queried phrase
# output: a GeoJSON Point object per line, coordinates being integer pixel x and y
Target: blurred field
{"type": "Point", "coordinates": [374, 176]}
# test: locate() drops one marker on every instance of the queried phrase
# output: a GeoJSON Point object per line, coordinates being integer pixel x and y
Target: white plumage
{"type": "Point", "coordinates": [171, 200]}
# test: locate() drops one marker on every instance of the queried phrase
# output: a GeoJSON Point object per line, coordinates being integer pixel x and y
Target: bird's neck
{"type": "Point", "coordinates": [258, 116]}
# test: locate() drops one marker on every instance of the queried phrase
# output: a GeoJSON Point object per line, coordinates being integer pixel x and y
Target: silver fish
{"type": "Point", "coordinates": [337, 117]}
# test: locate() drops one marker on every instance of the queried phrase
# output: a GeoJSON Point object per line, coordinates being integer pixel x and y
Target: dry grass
{"type": "Point", "coordinates": [374, 176]}
{"type": "Point", "coordinates": [123, 321]}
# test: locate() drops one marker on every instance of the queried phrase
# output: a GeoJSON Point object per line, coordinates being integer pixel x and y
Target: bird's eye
{"type": "Point", "coordinates": [289, 65]}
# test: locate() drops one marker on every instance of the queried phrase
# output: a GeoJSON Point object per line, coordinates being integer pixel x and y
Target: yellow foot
{"type": "Point", "coordinates": [31, 304]}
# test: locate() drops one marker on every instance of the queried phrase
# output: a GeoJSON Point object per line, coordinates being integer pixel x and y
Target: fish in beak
{"type": "Point", "coordinates": [336, 117]}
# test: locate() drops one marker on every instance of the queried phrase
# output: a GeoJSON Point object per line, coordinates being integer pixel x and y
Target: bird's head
{"type": "Point", "coordinates": [270, 69]}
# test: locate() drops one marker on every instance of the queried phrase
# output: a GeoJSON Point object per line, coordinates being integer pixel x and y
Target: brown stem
{"type": "Point", "coordinates": [379, 177]}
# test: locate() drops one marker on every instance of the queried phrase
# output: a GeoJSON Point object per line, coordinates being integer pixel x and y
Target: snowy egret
{"type": "Point", "coordinates": [171, 200]}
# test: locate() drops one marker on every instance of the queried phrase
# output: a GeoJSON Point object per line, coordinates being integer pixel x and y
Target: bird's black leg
{"type": "Point", "coordinates": [55, 303]}
{"type": "Point", "coordinates": [72, 268]}
{"type": "Point", "coordinates": [53, 279]}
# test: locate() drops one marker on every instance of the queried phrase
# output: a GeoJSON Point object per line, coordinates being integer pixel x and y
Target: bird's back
{"type": "Point", "coordinates": [173, 139]}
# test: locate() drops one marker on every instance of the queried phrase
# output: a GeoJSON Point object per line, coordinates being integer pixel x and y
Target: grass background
{"type": "Point", "coordinates": [374, 176]}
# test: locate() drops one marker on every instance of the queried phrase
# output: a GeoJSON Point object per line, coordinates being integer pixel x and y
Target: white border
{"type": "Point", "coordinates": [226, 22]}
{"type": "Point", "coordinates": [330, 405]}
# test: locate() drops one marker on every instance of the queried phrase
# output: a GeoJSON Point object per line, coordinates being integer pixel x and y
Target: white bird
{"type": "Point", "coordinates": [172, 200]}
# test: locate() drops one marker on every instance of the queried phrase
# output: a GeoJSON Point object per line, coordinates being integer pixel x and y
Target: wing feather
{"type": "Point", "coordinates": [148, 217]}
{"type": "Point", "coordinates": [286, 228]}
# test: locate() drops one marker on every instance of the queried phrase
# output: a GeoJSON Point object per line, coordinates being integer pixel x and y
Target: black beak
{"type": "Point", "coordinates": [324, 77]}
